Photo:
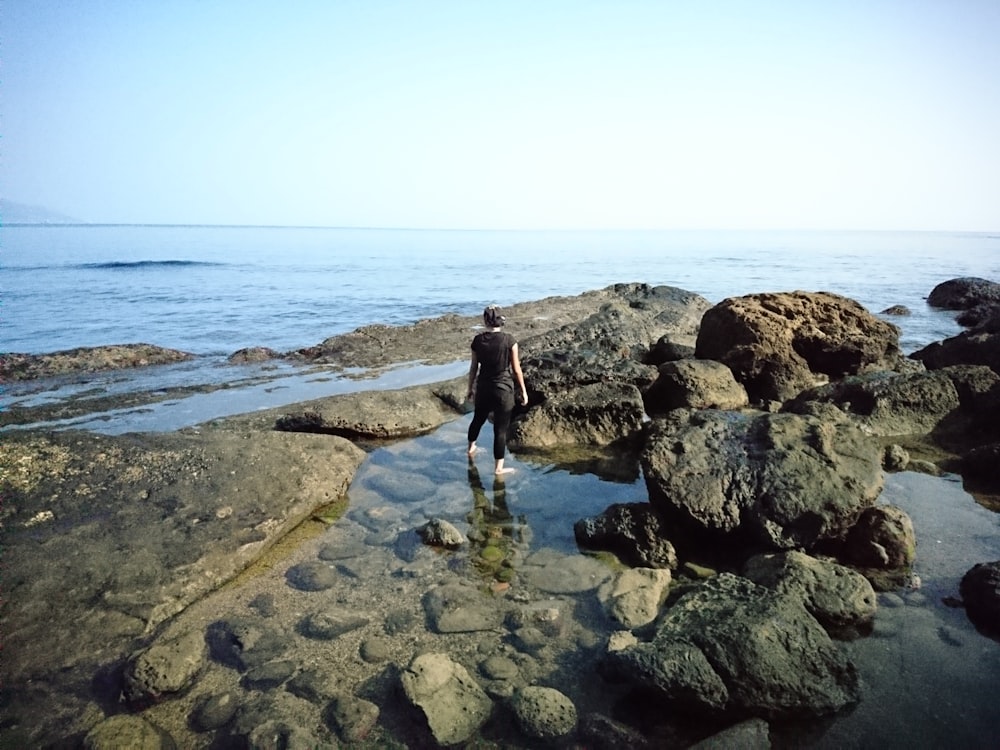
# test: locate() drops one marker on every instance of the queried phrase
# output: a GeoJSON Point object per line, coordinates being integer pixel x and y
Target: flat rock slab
{"type": "Point", "coordinates": [125, 532]}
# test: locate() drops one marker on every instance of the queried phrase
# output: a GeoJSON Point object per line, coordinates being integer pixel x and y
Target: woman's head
{"type": "Point", "coordinates": [492, 317]}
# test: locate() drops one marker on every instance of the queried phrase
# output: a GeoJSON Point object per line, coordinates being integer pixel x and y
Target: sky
{"type": "Point", "coordinates": [549, 114]}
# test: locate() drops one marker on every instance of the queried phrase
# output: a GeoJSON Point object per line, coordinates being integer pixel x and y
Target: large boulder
{"type": "Point", "coordinates": [613, 342]}
{"type": "Point", "coordinates": [841, 599]}
{"type": "Point", "coordinates": [779, 344]}
{"type": "Point", "coordinates": [694, 384]}
{"type": "Point", "coordinates": [451, 700]}
{"type": "Point", "coordinates": [597, 414]}
{"type": "Point", "coordinates": [882, 539]}
{"type": "Point", "coordinates": [731, 645]}
{"type": "Point", "coordinates": [980, 590]}
{"type": "Point", "coordinates": [964, 293]}
{"type": "Point", "coordinates": [980, 346]}
{"type": "Point", "coordinates": [776, 481]}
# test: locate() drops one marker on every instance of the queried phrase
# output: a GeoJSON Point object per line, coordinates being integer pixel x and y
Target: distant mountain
{"type": "Point", "coordinates": [18, 213]}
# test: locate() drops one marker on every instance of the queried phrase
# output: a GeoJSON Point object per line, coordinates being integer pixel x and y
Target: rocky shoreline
{"type": "Point", "coordinates": [763, 428]}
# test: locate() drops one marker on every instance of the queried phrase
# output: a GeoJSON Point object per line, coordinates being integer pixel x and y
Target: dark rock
{"type": "Point", "coordinates": [252, 355]}
{"type": "Point", "coordinates": [440, 533]}
{"type": "Point", "coordinates": [731, 645]}
{"type": "Point", "coordinates": [980, 590]}
{"type": "Point", "coordinates": [895, 458]}
{"type": "Point", "coordinates": [281, 735]}
{"type": "Point", "coordinates": [314, 685]}
{"type": "Point", "coordinates": [982, 318]}
{"type": "Point", "coordinates": [967, 348]}
{"type": "Point", "coordinates": [126, 730]}
{"type": "Point", "coordinates": [263, 604]}
{"type": "Point", "coordinates": [268, 675]}
{"type": "Point", "coordinates": [243, 643]}
{"type": "Point", "coordinates": [777, 481]}
{"type": "Point", "coordinates": [311, 576]}
{"type": "Point", "coordinates": [594, 414]}
{"type": "Point", "coordinates": [779, 344]}
{"type": "Point", "coordinates": [15, 366]}
{"type": "Point", "coordinates": [882, 538]}
{"type": "Point", "coordinates": [668, 350]}
{"type": "Point", "coordinates": [753, 734]}
{"type": "Point", "coordinates": [351, 718]}
{"type": "Point", "coordinates": [963, 293]}
{"type": "Point", "coordinates": [606, 733]}
{"type": "Point", "coordinates": [165, 668]}
{"type": "Point", "coordinates": [694, 384]}
{"type": "Point", "coordinates": [981, 467]}
{"type": "Point", "coordinates": [634, 532]}
{"type": "Point", "coordinates": [899, 310]}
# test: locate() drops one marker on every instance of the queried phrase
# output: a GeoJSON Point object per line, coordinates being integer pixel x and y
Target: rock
{"type": "Point", "coordinates": [895, 458]}
{"type": "Point", "coordinates": [882, 538]}
{"type": "Point", "coordinates": [498, 667]}
{"type": "Point", "coordinates": [165, 668]}
{"type": "Point", "coordinates": [634, 532]}
{"type": "Point", "coordinates": [351, 718]}
{"type": "Point", "coordinates": [554, 573]}
{"type": "Point", "coordinates": [888, 403]}
{"type": "Point", "coordinates": [279, 735]}
{"type": "Point", "coordinates": [451, 700]}
{"type": "Point", "coordinates": [981, 466]}
{"type": "Point", "coordinates": [456, 608]}
{"type": "Point", "coordinates": [783, 481]}
{"type": "Point", "coordinates": [602, 732]}
{"type": "Point", "coordinates": [315, 685]}
{"type": "Point", "coordinates": [546, 614]}
{"type": "Point", "coordinates": [376, 650]}
{"type": "Point", "coordinates": [753, 734]}
{"type": "Point", "coordinates": [543, 712]}
{"type": "Point", "coordinates": [214, 711]}
{"type": "Point", "coordinates": [779, 344]}
{"type": "Point", "coordinates": [694, 384]}
{"type": "Point", "coordinates": [731, 645]}
{"type": "Point", "coordinates": [980, 590]}
{"type": "Point", "coordinates": [381, 415]}
{"type": "Point", "coordinates": [440, 533]}
{"type": "Point", "coordinates": [975, 347]}
{"type": "Point", "coordinates": [268, 675]}
{"type": "Point", "coordinates": [252, 354]}
{"type": "Point", "coordinates": [325, 626]}
{"type": "Point", "coordinates": [244, 643]}
{"type": "Point", "coordinates": [126, 730]}
{"type": "Point", "coordinates": [633, 597]}
{"type": "Point", "coordinates": [313, 575]}
{"type": "Point", "coordinates": [593, 414]}
{"type": "Point", "coordinates": [964, 293]}
{"type": "Point", "coordinates": [668, 350]}
{"type": "Point", "coordinates": [841, 599]}
{"type": "Point", "coordinates": [897, 310]}
{"type": "Point", "coordinates": [15, 367]}
{"type": "Point", "coordinates": [983, 318]}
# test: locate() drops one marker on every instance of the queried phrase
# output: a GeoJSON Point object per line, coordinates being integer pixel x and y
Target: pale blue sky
{"type": "Point", "coordinates": [875, 114]}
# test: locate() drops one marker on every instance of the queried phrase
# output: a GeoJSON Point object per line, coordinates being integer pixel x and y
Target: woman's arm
{"type": "Point", "coordinates": [473, 371]}
{"type": "Point", "coordinates": [515, 363]}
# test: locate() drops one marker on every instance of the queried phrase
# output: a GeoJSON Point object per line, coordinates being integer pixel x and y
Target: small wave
{"type": "Point", "coordinates": [130, 265]}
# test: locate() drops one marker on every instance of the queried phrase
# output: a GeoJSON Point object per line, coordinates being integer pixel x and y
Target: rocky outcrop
{"type": "Point", "coordinates": [777, 481]}
{"type": "Point", "coordinates": [841, 599]}
{"type": "Point", "coordinates": [882, 539]}
{"type": "Point", "coordinates": [964, 293]}
{"type": "Point", "coordinates": [779, 344]}
{"type": "Point", "coordinates": [980, 590]}
{"type": "Point", "coordinates": [15, 366]}
{"type": "Point", "coordinates": [731, 645]}
{"type": "Point", "coordinates": [980, 346]}
{"type": "Point", "coordinates": [597, 414]}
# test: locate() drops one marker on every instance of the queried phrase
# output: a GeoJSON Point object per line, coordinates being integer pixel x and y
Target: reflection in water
{"type": "Point", "coordinates": [494, 534]}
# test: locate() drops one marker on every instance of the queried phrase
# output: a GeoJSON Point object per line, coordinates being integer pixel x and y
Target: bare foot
{"type": "Point", "coordinates": [472, 449]}
{"type": "Point", "coordinates": [501, 471]}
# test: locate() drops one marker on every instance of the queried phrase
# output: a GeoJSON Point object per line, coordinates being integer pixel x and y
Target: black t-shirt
{"type": "Point", "coordinates": [492, 349]}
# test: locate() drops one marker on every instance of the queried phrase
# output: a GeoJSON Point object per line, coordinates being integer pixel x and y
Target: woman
{"type": "Point", "coordinates": [491, 383]}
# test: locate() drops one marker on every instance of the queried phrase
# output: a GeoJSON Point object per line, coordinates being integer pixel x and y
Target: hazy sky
{"type": "Point", "coordinates": [875, 114]}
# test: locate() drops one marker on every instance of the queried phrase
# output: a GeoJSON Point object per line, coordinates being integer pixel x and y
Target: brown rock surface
{"type": "Point", "coordinates": [15, 366]}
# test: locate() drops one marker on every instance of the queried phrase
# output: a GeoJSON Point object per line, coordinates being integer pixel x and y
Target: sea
{"type": "Point", "coordinates": [929, 677]}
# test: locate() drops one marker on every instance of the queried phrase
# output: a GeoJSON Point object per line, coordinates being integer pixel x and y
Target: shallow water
{"type": "Point", "coordinates": [928, 676]}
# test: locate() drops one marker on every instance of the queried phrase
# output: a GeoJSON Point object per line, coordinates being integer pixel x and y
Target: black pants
{"type": "Point", "coordinates": [500, 401]}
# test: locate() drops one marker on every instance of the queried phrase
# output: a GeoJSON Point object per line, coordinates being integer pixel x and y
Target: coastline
{"type": "Point", "coordinates": [376, 578]}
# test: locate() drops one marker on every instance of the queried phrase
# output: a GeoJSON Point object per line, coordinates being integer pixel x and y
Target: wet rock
{"type": "Point", "coordinates": [352, 718]}
{"type": "Point", "coordinates": [555, 573]}
{"type": "Point", "coordinates": [883, 538]}
{"type": "Point", "coordinates": [980, 590]}
{"type": "Point", "coordinates": [897, 310]}
{"type": "Point", "coordinates": [376, 650]}
{"type": "Point", "coordinates": [252, 354]}
{"type": "Point", "coordinates": [313, 575]}
{"type": "Point", "coordinates": [243, 643]}
{"type": "Point", "coordinates": [606, 733]}
{"type": "Point", "coordinates": [779, 344]}
{"type": "Point", "coordinates": [374, 414]}
{"type": "Point", "coordinates": [126, 730]}
{"type": "Point", "coordinates": [841, 599]}
{"type": "Point", "coordinates": [214, 711]}
{"type": "Point", "coordinates": [668, 350]}
{"type": "Point", "coordinates": [981, 467]}
{"type": "Point", "coordinates": [165, 668]}
{"type": "Point", "coordinates": [980, 346]}
{"type": "Point", "coordinates": [456, 608]}
{"type": "Point", "coordinates": [634, 532]}
{"type": "Point", "coordinates": [543, 712]}
{"type": "Point", "coordinates": [279, 735]}
{"type": "Point", "coordinates": [315, 685]}
{"type": "Point", "coordinates": [735, 646]}
{"type": "Point", "coordinates": [440, 533]}
{"type": "Point", "coordinates": [499, 668]}
{"type": "Point", "coordinates": [895, 458]}
{"type": "Point", "coordinates": [546, 615]}
{"type": "Point", "coordinates": [325, 626]}
{"type": "Point", "coordinates": [783, 481]}
{"type": "Point", "coordinates": [964, 293]}
{"type": "Point", "coordinates": [593, 414]}
{"type": "Point", "coordinates": [451, 700]}
{"type": "Point", "coordinates": [14, 366]}
{"type": "Point", "coordinates": [633, 597]}
{"type": "Point", "coordinates": [263, 604]}
{"type": "Point", "coordinates": [694, 384]}
{"type": "Point", "coordinates": [753, 734]}
{"type": "Point", "coordinates": [268, 675]}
